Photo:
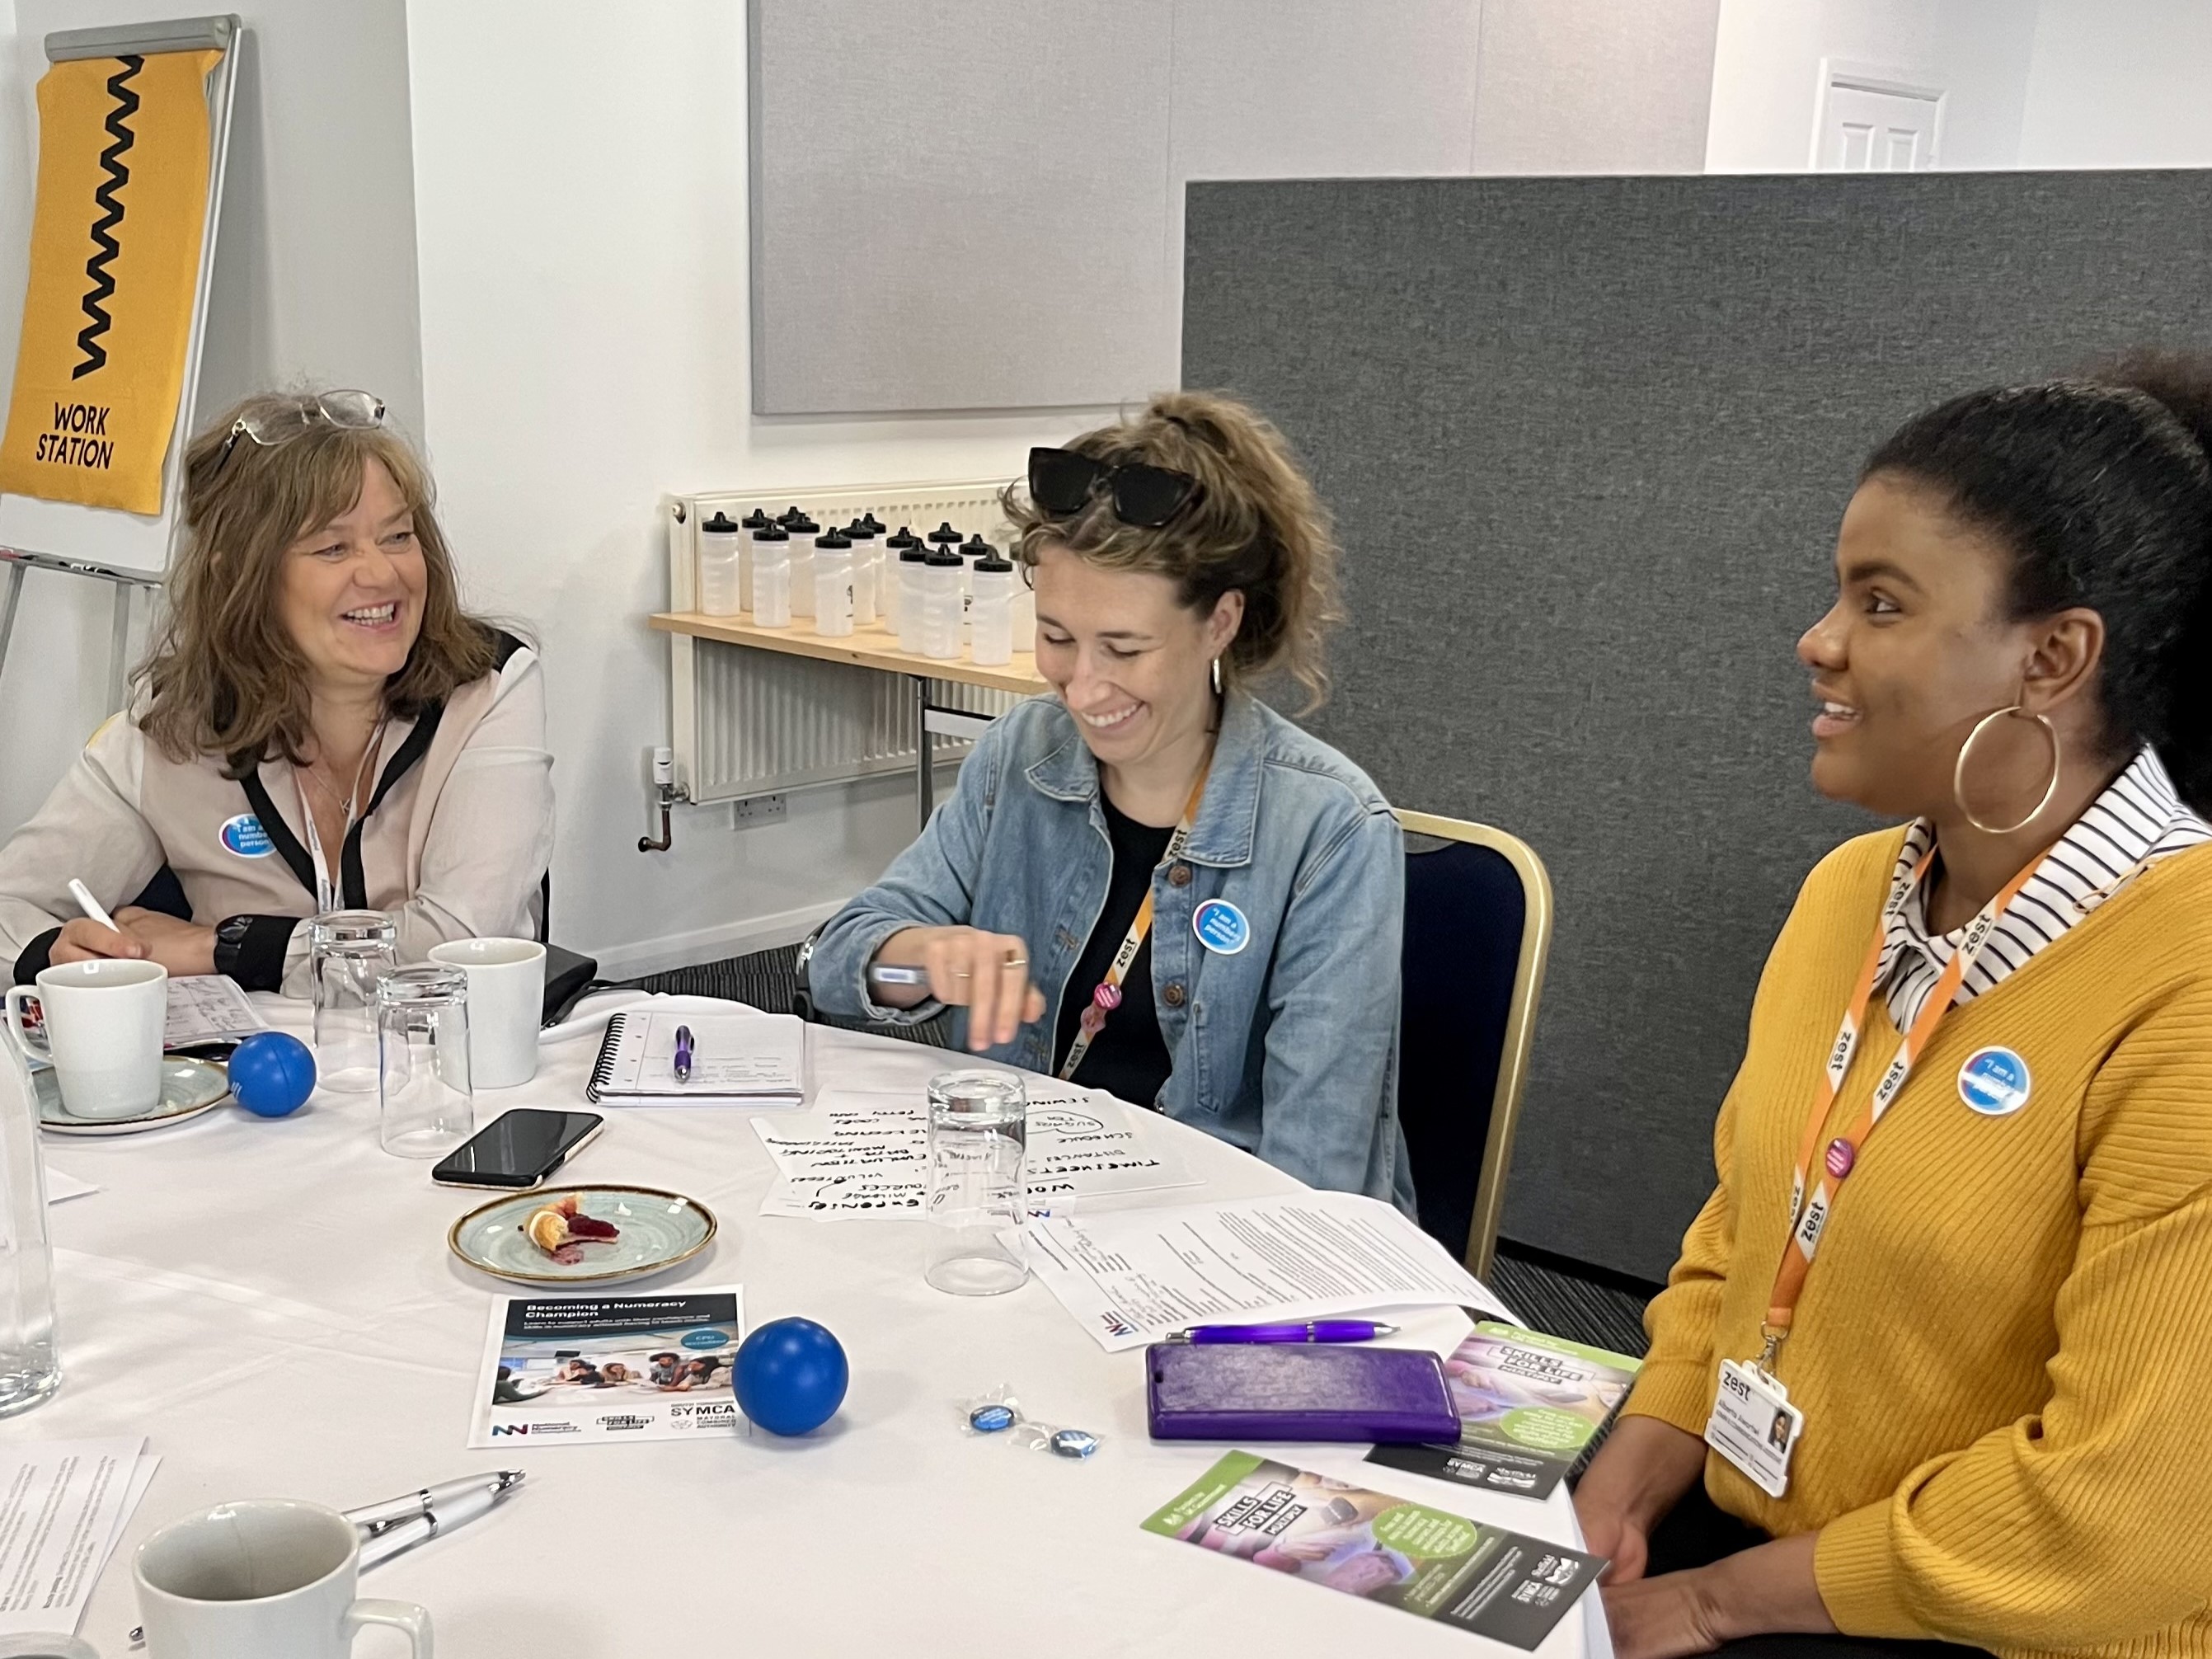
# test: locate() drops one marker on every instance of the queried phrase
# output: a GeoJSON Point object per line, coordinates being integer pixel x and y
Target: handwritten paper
{"type": "Point", "coordinates": [209, 1008]}
{"type": "Point", "coordinates": [1136, 1276]}
{"type": "Point", "coordinates": [868, 1154]}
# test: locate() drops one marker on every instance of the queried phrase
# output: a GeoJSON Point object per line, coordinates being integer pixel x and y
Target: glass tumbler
{"type": "Point", "coordinates": [978, 1133]}
{"type": "Point", "coordinates": [426, 1107]}
{"type": "Point", "coordinates": [30, 1367]}
{"type": "Point", "coordinates": [347, 951]}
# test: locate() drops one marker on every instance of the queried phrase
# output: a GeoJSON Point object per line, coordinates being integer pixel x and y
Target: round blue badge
{"type": "Point", "coordinates": [244, 836]}
{"type": "Point", "coordinates": [1994, 1082]}
{"type": "Point", "coordinates": [1221, 927]}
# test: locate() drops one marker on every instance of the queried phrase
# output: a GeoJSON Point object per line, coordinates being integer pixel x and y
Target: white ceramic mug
{"type": "Point", "coordinates": [104, 1024]}
{"type": "Point", "coordinates": [506, 1003]}
{"type": "Point", "coordinates": [271, 1578]}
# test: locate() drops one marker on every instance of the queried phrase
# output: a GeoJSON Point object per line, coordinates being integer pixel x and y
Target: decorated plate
{"type": "Point", "coordinates": [189, 1087]}
{"type": "Point", "coordinates": [656, 1229]}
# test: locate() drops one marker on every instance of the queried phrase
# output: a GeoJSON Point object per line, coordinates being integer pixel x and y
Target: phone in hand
{"type": "Point", "coordinates": [518, 1149]}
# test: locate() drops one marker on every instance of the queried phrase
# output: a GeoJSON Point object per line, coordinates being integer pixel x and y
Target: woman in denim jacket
{"type": "Point", "coordinates": [1153, 883]}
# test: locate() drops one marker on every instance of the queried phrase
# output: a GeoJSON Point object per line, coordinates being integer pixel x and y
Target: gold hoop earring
{"type": "Point", "coordinates": [1217, 677]}
{"type": "Point", "coordinates": [1959, 772]}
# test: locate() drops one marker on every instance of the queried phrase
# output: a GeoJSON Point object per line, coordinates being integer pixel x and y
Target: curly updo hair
{"type": "Point", "coordinates": [1254, 526]}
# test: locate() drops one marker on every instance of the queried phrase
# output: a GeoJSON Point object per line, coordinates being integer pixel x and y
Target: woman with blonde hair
{"type": "Point", "coordinates": [1150, 883]}
{"type": "Point", "coordinates": [320, 726]}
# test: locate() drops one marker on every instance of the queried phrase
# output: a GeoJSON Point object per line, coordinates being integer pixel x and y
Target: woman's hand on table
{"type": "Point", "coordinates": [1642, 1469]}
{"type": "Point", "coordinates": [1767, 1590]}
{"type": "Point", "coordinates": [986, 974]}
{"type": "Point", "coordinates": [182, 947]}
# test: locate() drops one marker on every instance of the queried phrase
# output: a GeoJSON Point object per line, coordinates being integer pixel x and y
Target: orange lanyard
{"type": "Point", "coordinates": [1108, 996]}
{"type": "Point", "coordinates": [1810, 1216]}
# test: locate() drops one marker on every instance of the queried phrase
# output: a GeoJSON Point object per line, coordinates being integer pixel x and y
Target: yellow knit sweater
{"type": "Point", "coordinates": [2004, 1349]}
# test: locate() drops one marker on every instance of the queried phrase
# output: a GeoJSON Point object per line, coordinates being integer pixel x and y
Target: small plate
{"type": "Point", "coordinates": [659, 1230]}
{"type": "Point", "coordinates": [189, 1087]}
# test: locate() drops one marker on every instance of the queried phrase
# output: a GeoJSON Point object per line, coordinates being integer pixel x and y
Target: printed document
{"type": "Point", "coordinates": [1131, 1277]}
{"type": "Point", "coordinates": [868, 1154]}
{"type": "Point", "coordinates": [63, 1503]}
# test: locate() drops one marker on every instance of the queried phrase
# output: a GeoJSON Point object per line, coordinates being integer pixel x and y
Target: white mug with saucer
{"type": "Point", "coordinates": [269, 1579]}
{"type": "Point", "coordinates": [507, 1002]}
{"type": "Point", "coordinates": [104, 1023]}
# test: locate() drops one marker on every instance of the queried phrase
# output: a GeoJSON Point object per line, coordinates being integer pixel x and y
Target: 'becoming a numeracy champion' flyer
{"type": "Point", "coordinates": [1423, 1561]}
{"type": "Point", "coordinates": [1528, 1405]}
{"type": "Point", "coordinates": [565, 1369]}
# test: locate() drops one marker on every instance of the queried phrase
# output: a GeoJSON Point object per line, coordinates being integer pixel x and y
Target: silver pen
{"type": "Point", "coordinates": [397, 1524]}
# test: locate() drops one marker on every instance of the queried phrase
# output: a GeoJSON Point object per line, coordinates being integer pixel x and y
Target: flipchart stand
{"type": "Point", "coordinates": [130, 551]}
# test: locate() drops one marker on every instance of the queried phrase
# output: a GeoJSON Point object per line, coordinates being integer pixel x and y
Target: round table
{"type": "Point", "coordinates": [273, 1304]}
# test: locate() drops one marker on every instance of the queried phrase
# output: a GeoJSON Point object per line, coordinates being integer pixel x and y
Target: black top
{"type": "Point", "coordinates": [1128, 1059]}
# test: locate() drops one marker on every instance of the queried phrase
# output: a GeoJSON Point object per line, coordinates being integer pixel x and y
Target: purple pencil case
{"type": "Point", "coordinates": [1297, 1391]}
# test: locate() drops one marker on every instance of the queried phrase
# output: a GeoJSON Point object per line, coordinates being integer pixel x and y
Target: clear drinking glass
{"type": "Point", "coordinates": [978, 1133]}
{"type": "Point", "coordinates": [427, 1106]}
{"type": "Point", "coordinates": [347, 951]}
{"type": "Point", "coordinates": [30, 1368]}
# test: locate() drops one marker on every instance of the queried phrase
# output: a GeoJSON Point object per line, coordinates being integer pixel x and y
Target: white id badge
{"type": "Point", "coordinates": [1754, 1426]}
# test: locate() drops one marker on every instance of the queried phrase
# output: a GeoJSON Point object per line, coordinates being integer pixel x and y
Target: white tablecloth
{"type": "Point", "coordinates": [273, 1303]}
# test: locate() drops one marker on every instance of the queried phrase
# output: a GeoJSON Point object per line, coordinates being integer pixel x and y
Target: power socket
{"type": "Point", "coordinates": [756, 809]}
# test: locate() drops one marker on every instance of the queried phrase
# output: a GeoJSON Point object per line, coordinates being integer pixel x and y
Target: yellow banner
{"type": "Point", "coordinates": [115, 258]}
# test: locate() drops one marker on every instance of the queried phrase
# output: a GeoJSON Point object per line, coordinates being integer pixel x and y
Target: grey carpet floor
{"type": "Point", "coordinates": [1589, 1307]}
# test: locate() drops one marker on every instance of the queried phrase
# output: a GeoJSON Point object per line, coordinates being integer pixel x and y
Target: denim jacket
{"type": "Point", "coordinates": [1288, 1047]}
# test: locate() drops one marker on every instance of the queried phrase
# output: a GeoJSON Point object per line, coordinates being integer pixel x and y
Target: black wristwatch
{"type": "Point", "coordinates": [229, 939]}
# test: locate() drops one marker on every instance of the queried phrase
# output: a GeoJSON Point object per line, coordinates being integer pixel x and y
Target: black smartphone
{"type": "Point", "coordinates": [518, 1149]}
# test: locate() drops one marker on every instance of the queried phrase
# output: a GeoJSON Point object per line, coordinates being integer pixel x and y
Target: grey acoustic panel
{"type": "Point", "coordinates": [960, 205]}
{"type": "Point", "coordinates": [1589, 440]}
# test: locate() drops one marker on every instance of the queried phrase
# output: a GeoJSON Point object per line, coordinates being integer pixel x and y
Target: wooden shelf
{"type": "Point", "coordinates": [869, 646]}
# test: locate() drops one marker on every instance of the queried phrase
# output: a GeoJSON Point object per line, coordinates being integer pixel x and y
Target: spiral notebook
{"type": "Point", "coordinates": [737, 1060]}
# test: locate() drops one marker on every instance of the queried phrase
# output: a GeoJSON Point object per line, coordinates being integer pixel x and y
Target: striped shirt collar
{"type": "Point", "coordinates": [2138, 819]}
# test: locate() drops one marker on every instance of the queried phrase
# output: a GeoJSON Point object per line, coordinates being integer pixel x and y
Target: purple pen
{"type": "Point", "coordinates": [1316, 1330]}
{"type": "Point", "coordinates": [683, 1053]}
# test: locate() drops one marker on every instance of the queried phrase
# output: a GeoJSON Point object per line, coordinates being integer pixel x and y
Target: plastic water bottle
{"type": "Point", "coordinates": [752, 524]}
{"type": "Point", "coordinates": [720, 542]}
{"type": "Point", "coordinates": [914, 589]}
{"type": "Point", "coordinates": [991, 614]}
{"type": "Point", "coordinates": [866, 560]}
{"type": "Point", "coordinates": [30, 1365]}
{"type": "Point", "coordinates": [772, 577]}
{"type": "Point", "coordinates": [890, 581]}
{"type": "Point", "coordinates": [803, 530]}
{"type": "Point", "coordinates": [940, 604]}
{"type": "Point", "coordinates": [833, 585]}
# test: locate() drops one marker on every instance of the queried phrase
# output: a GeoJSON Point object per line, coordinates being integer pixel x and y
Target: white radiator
{"type": "Point", "coordinates": [748, 722]}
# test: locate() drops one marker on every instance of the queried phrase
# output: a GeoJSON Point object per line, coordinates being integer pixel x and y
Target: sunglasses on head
{"type": "Point", "coordinates": [1062, 482]}
{"type": "Point", "coordinates": [290, 420]}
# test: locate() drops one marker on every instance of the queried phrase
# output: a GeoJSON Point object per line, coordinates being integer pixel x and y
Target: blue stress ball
{"type": "Point", "coordinates": [791, 1376]}
{"type": "Point", "coordinates": [272, 1075]}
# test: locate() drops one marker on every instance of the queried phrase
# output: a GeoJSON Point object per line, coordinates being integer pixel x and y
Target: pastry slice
{"type": "Point", "coordinates": [560, 1229]}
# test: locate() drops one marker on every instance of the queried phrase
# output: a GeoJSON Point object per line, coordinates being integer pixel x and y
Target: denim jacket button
{"type": "Point", "coordinates": [1173, 994]}
{"type": "Point", "coordinates": [1179, 875]}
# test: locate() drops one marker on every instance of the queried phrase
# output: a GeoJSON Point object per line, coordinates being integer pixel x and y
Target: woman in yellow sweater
{"type": "Point", "coordinates": [1947, 1333]}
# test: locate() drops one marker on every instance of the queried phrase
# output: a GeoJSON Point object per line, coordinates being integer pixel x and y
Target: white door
{"type": "Point", "coordinates": [1874, 128]}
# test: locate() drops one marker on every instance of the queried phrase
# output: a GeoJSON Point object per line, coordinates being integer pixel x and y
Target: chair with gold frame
{"type": "Point", "coordinates": [1478, 930]}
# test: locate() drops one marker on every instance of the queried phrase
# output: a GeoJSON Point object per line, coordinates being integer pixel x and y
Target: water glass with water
{"type": "Point", "coordinates": [978, 1135]}
{"type": "Point", "coordinates": [426, 1105]}
{"type": "Point", "coordinates": [347, 951]}
{"type": "Point", "coordinates": [30, 1368]}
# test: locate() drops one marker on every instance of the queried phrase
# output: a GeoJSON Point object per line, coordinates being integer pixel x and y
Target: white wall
{"type": "Point", "coordinates": [1594, 86]}
{"type": "Point", "coordinates": [581, 222]}
{"type": "Point", "coordinates": [2120, 83]}
{"type": "Point", "coordinates": [316, 281]}
{"type": "Point", "coordinates": [1766, 72]}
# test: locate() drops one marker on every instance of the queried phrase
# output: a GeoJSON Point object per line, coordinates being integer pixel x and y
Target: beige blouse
{"type": "Point", "coordinates": [454, 842]}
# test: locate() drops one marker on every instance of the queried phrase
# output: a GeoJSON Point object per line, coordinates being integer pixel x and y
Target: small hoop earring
{"type": "Point", "coordinates": [1959, 772]}
{"type": "Point", "coordinates": [1217, 677]}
